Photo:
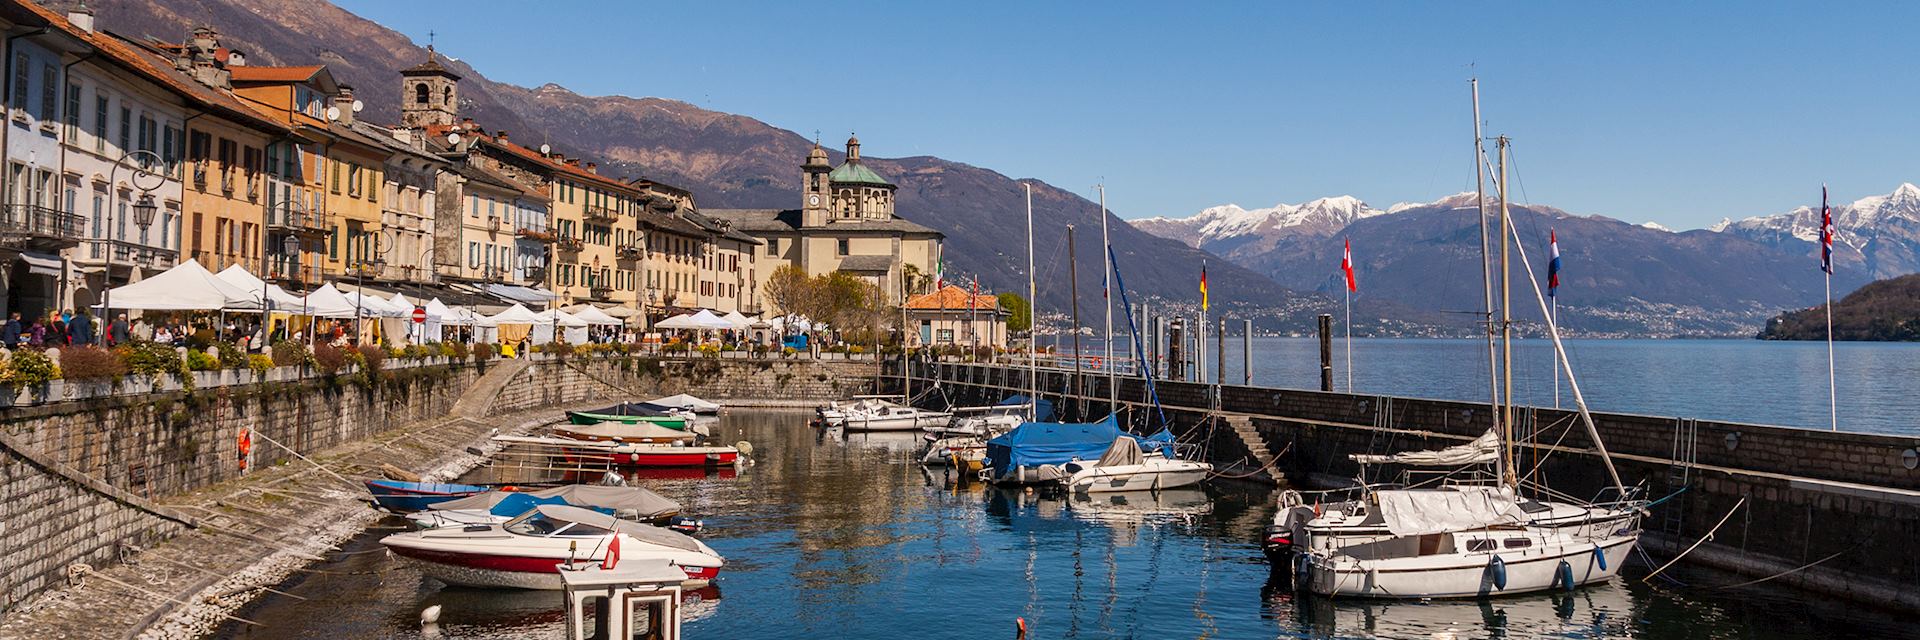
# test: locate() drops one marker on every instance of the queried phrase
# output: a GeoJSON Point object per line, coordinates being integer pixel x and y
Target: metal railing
{"type": "Point", "coordinates": [595, 212]}
{"type": "Point", "coordinates": [286, 219]}
{"type": "Point", "coordinates": [631, 252]}
{"type": "Point", "coordinates": [134, 253]}
{"type": "Point", "coordinates": [569, 243]}
{"type": "Point", "coordinates": [32, 222]}
{"type": "Point", "coordinates": [598, 290]}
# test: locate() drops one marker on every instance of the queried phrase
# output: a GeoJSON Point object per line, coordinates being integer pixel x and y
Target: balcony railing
{"type": "Point", "coordinates": [570, 243]}
{"type": "Point", "coordinates": [533, 275]}
{"type": "Point", "coordinates": [631, 252]}
{"type": "Point", "coordinates": [537, 235]}
{"type": "Point", "coordinates": [284, 219]}
{"type": "Point", "coordinates": [596, 212]}
{"type": "Point", "coordinates": [132, 253]}
{"type": "Point", "coordinates": [27, 222]}
{"type": "Point", "coordinates": [600, 291]}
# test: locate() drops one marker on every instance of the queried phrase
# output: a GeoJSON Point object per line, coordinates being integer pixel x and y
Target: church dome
{"type": "Point", "coordinates": [855, 173]}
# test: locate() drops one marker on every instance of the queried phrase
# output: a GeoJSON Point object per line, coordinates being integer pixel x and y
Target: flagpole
{"type": "Point", "coordinates": [1554, 317]}
{"type": "Point", "coordinates": [1033, 320]}
{"type": "Point", "coordinates": [1106, 296]}
{"type": "Point", "coordinates": [1349, 340]}
{"type": "Point", "coordinates": [1826, 267]}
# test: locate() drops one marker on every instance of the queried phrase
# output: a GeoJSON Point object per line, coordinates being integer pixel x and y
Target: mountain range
{"type": "Point", "coordinates": [727, 160]}
{"type": "Point", "coordinates": [1619, 278]}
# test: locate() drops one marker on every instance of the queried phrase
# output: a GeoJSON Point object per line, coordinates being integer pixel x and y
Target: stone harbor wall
{"type": "Point", "coordinates": [85, 477]}
{"type": "Point", "coordinates": [1831, 512]}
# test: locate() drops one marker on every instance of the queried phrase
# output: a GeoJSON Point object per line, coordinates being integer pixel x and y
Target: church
{"type": "Point", "coordinates": [846, 222]}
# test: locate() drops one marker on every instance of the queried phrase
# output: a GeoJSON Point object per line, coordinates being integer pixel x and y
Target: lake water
{"type": "Point", "coordinates": [1754, 381]}
{"type": "Point", "coordinates": [830, 536]}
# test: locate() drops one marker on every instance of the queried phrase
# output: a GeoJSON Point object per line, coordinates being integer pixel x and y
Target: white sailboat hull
{"type": "Point", "coordinates": [1469, 575]}
{"type": "Point", "coordinates": [1152, 475]}
{"type": "Point", "coordinates": [907, 422]}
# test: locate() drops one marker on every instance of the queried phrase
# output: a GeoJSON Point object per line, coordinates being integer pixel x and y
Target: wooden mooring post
{"type": "Point", "coordinates": [1326, 352]}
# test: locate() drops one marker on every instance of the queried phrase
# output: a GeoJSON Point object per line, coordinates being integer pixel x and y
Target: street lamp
{"type": "Point", "coordinates": [143, 210]}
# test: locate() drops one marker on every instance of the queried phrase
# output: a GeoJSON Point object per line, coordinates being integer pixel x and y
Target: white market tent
{"type": "Point", "coordinates": [704, 319]}
{"type": "Point", "coordinates": [594, 316]}
{"type": "Point", "coordinates": [374, 306]}
{"type": "Point", "coordinates": [186, 287]}
{"type": "Point", "coordinates": [739, 322]}
{"type": "Point", "coordinates": [238, 276]}
{"type": "Point", "coordinates": [570, 327]}
{"type": "Point", "coordinates": [517, 325]}
{"type": "Point", "coordinates": [518, 314]}
{"type": "Point", "coordinates": [328, 302]}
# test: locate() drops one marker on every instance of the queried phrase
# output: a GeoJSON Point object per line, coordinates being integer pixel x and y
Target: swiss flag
{"type": "Point", "coordinates": [1346, 264]}
{"type": "Point", "coordinates": [613, 553]}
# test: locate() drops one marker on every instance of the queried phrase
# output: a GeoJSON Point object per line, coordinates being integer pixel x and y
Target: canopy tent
{"type": "Point", "coordinates": [186, 287]}
{"type": "Point", "coordinates": [518, 314]}
{"type": "Point", "coordinates": [238, 276]}
{"type": "Point", "coordinates": [328, 302]}
{"type": "Point", "coordinates": [1482, 450]}
{"type": "Point", "coordinates": [704, 319]}
{"type": "Point", "coordinates": [520, 295]}
{"type": "Point", "coordinates": [622, 312]}
{"type": "Point", "coordinates": [594, 316]}
{"type": "Point", "coordinates": [565, 325]}
{"type": "Point", "coordinates": [516, 325]}
{"type": "Point", "coordinates": [1413, 512]}
{"type": "Point", "coordinates": [373, 306]}
{"type": "Point", "coordinates": [739, 322]}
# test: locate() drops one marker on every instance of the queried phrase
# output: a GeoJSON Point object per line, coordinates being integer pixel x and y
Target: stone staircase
{"type": "Point", "coordinates": [1263, 467]}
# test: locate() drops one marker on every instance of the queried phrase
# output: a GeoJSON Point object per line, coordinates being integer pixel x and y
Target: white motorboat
{"type": "Point", "coordinates": [834, 413]}
{"type": "Point", "coordinates": [982, 421]}
{"type": "Point", "coordinates": [526, 552]}
{"type": "Point", "coordinates": [1124, 468]}
{"type": "Point", "coordinates": [497, 507]}
{"type": "Point", "coordinates": [892, 418]}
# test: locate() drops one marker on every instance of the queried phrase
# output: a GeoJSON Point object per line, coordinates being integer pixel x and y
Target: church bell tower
{"type": "Point", "coordinates": [816, 189]}
{"type": "Point", "coordinates": [429, 94]}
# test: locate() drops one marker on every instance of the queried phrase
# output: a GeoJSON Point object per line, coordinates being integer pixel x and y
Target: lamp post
{"type": "Point", "coordinates": [143, 210]}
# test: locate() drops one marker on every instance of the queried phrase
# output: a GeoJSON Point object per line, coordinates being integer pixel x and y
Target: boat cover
{"type": "Point", "coordinates": [684, 401]}
{"type": "Point", "coordinates": [1038, 443]}
{"type": "Point", "coordinates": [1413, 512]}
{"type": "Point", "coordinates": [1482, 450]}
{"type": "Point", "coordinates": [629, 432]}
{"type": "Point", "coordinates": [1041, 413]}
{"type": "Point", "coordinates": [641, 532]}
{"type": "Point", "coordinates": [630, 409]}
{"type": "Point", "coordinates": [513, 503]}
{"type": "Point", "coordinates": [1123, 451]}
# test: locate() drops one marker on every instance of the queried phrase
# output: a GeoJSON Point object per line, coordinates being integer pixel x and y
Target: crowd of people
{"type": "Point", "coordinates": [62, 329]}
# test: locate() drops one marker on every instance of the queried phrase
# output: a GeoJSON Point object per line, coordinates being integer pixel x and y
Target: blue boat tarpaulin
{"type": "Point", "coordinates": [1038, 443]}
{"type": "Point", "coordinates": [1042, 412]}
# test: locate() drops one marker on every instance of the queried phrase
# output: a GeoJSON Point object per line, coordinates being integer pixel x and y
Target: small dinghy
{"type": "Point", "coordinates": [632, 413]}
{"type": "Point", "coordinates": [687, 402]}
{"type": "Point", "coordinates": [646, 432]}
{"type": "Point", "coordinates": [408, 497]}
{"type": "Point", "coordinates": [496, 507]}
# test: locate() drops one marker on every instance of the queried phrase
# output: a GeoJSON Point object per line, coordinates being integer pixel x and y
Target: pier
{"type": "Point", "coordinates": [1830, 512]}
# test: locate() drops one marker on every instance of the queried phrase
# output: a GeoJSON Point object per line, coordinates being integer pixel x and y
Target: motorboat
{"type": "Point", "coordinates": [629, 454]}
{"type": "Point", "coordinates": [407, 497]}
{"type": "Point", "coordinates": [834, 413]}
{"type": "Point", "coordinates": [527, 551]}
{"type": "Point", "coordinates": [633, 413]}
{"type": "Point", "coordinates": [967, 453]}
{"type": "Point", "coordinates": [992, 420]}
{"type": "Point", "coordinates": [1033, 452]}
{"type": "Point", "coordinates": [686, 402]}
{"type": "Point", "coordinates": [1123, 467]}
{"type": "Point", "coordinates": [496, 507]}
{"type": "Point", "coordinates": [644, 432]}
{"type": "Point", "coordinates": [892, 418]}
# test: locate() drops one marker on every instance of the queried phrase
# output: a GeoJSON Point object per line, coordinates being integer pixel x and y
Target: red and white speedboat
{"type": "Point", "coordinates": [526, 552]}
{"type": "Point", "coordinates": [631, 454]}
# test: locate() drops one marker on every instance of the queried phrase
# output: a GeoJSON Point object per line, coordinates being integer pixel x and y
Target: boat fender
{"type": "Point", "coordinates": [1497, 569]}
{"type": "Point", "coordinates": [1564, 575]}
{"type": "Point", "coordinates": [746, 448]}
{"type": "Point", "coordinates": [1600, 555]}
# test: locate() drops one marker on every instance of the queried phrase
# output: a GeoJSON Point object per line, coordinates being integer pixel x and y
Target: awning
{"type": "Point", "coordinates": [522, 295]}
{"type": "Point", "coordinates": [1413, 512]}
{"type": "Point", "coordinates": [41, 264]}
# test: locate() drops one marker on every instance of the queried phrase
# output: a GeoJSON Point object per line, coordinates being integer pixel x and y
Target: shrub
{"type": "Point", "coordinates": [676, 347]}
{"type": "Point", "coordinates": [28, 368]}
{"type": "Point", "coordinates": [287, 353]}
{"type": "Point", "coordinates": [231, 357]}
{"type": "Point", "coordinates": [761, 349]}
{"type": "Point", "coordinates": [442, 349]}
{"type": "Point", "coordinates": [198, 360]}
{"type": "Point", "coordinates": [328, 359]}
{"type": "Point", "coordinates": [456, 349]}
{"type": "Point", "coordinates": [260, 364]}
{"type": "Point", "coordinates": [788, 352]}
{"type": "Point", "coordinates": [90, 363]}
{"type": "Point", "coordinates": [710, 350]}
{"type": "Point", "coordinates": [416, 351]}
{"type": "Point", "coordinates": [856, 349]}
{"type": "Point", "coordinates": [153, 358]}
{"type": "Point", "coordinates": [483, 352]}
{"type": "Point", "coordinates": [372, 359]}
{"type": "Point", "coordinates": [560, 349]}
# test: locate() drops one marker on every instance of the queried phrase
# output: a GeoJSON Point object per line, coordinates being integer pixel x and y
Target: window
{"type": "Point", "coordinates": [473, 205]}
{"type": "Point", "coordinates": [197, 225]}
{"type": "Point", "coordinates": [99, 121]}
{"type": "Point", "coordinates": [353, 180]}
{"type": "Point", "coordinates": [146, 133]}
{"type": "Point", "coordinates": [170, 150]}
{"type": "Point", "coordinates": [49, 92]}
{"type": "Point", "coordinates": [20, 78]}
{"type": "Point", "coordinates": [333, 244]}
{"type": "Point", "coordinates": [1518, 543]}
{"type": "Point", "coordinates": [126, 127]}
{"type": "Point", "coordinates": [841, 247]}
{"type": "Point", "coordinates": [335, 166]}
{"type": "Point", "coordinates": [446, 97]}
{"type": "Point", "coordinates": [1480, 544]}
{"type": "Point", "coordinates": [420, 93]}
{"type": "Point", "coordinates": [473, 255]}
{"type": "Point", "coordinates": [72, 115]}
{"type": "Point", "coordinates": [99, 217]}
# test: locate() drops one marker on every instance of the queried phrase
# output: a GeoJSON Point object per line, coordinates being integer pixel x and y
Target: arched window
{"type": "Point", "coordinates": [446, 97]}
{"type": "Point", "coordinates": [420, 93]}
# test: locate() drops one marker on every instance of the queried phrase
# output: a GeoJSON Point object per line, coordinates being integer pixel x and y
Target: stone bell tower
{"type": "Point", "coordinates": [816, 189]}
{"type": "Point", "coordinates": [429, 94]}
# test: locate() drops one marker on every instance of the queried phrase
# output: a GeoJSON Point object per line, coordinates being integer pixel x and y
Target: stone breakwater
{"type": "Point", "coordinates": [132, 512]}
{"type": "Point", "coordinates": [1835, 513]}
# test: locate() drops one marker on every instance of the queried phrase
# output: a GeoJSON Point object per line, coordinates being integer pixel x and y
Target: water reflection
{"type": "Point", "coordinates": [842, 535]}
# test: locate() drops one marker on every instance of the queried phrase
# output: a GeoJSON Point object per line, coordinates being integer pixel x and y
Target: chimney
{"type": "Point", "coordinates": [559, 157]}
{"type": "Point", "coordinates": [81, 17]}
{"type": "Point", "coordinates": [343, 101]}
{"type": "Point", "coordinates": [200, 57]}
{"type": "Point", "coordinates": [467, 123]}
{"type": "Point", "coordinates": [501, 136]}
{"type": "Point", "coordinates": [594, 168]}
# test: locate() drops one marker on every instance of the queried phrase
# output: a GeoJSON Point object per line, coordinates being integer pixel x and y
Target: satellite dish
{"type": "Point", "coordinates": [544, 149]}
{"type": "Point", "coordinates": [358, 105]}
{"type": "Point", "coordinates": [453, 138]}
{"type": "Point", "coordinates": [333, 113]}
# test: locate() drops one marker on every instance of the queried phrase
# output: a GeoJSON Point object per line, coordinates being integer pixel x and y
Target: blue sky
{"type": "Point", "coordinates": [1679, 113]}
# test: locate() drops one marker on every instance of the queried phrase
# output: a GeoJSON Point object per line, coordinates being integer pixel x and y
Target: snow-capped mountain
{"type": "Point", "coordinates": [1232, 224]}
{"type": "Point", "coordinates": [1877, 234]}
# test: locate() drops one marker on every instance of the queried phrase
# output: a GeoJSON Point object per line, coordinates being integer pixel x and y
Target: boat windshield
{"type": "Point", "coordinates": [537, 524]}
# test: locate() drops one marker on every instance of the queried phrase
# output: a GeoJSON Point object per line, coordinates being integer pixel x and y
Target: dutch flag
{"type": "Point", "coordinates": [1553, 263]}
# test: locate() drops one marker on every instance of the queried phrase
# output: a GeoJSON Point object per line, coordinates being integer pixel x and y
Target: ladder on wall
{"type": "Point", "coordinates": [1685, 450]}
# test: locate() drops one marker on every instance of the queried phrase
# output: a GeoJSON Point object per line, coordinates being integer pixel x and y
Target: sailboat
{"type": "Point", "coordinates": [1465, 533]}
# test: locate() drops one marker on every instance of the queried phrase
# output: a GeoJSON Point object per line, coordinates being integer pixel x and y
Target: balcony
{"type": "Point", "coordinates": [122, 252]}
{"type": "Point", "coordinates": [600, 291]}
{"type": "Point", "coordinates": [604, 214]}
{"type": "Point", "coordinates": [533, 275]}
{"type": "Point", "coordinates": [301, 222]}
{"type": "Point", "coordinates": [200, 175]}
{"type": "Point", "coordinates": [39, 227]}
{"type": "Point", "coordinates": [631, 252]}
{"type": "Point", "coordinates": [537, 235]}
{"type": "Point", "coordinates": [494, 274]}
{"type": "Point", "coordinates": [570, 243]}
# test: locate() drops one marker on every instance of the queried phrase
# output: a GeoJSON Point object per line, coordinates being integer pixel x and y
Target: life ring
{"type": "Point", "coordinates": [1094, 362]}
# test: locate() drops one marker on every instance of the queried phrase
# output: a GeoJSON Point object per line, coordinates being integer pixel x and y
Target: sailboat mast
{"type": "Point", "coordinates": [1073, 290]}
{"type": "Point", "coordinates": [1506, 325]}
{"type": "Point", "coordinates": [1106, 296]}
{"type": "Point", "coordinates": [1486, 280]}
{"type": "Point", "coordinates": [1033, 320]}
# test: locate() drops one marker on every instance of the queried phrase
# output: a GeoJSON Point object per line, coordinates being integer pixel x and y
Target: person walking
{"type": "Point", "coordinates": [117, 332]}
{"type": "Point", "coordinates": [80, 329]}
{"type": "Point", "coordinates": [36, 334]}
{"type": "Point", "coordinates": [56, 331]}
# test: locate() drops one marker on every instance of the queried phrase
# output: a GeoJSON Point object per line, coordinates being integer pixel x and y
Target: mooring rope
{"type": "Point", "coordinates": [1697, 543]}
{"type": "Point", "coordinates": [1266, 467]}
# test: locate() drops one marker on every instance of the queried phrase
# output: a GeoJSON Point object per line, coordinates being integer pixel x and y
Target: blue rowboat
{"type": "Point", "coordinates": [408, 497]}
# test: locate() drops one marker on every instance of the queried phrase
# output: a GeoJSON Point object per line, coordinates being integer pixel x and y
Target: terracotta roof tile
{"type": "Point", "coordinates": [274, 74]}
{"type": "Point", "coordinates": [952, 297]}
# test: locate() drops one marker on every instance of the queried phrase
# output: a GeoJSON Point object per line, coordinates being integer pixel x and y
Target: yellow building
{"type": "Point", "coordinates": [356, 168]}
{"type": "Point", "coordinates": [299, 224]}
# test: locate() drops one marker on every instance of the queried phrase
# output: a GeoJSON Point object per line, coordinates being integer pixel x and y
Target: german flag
{"type": "Point", "coordinates": [1203, 285]}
